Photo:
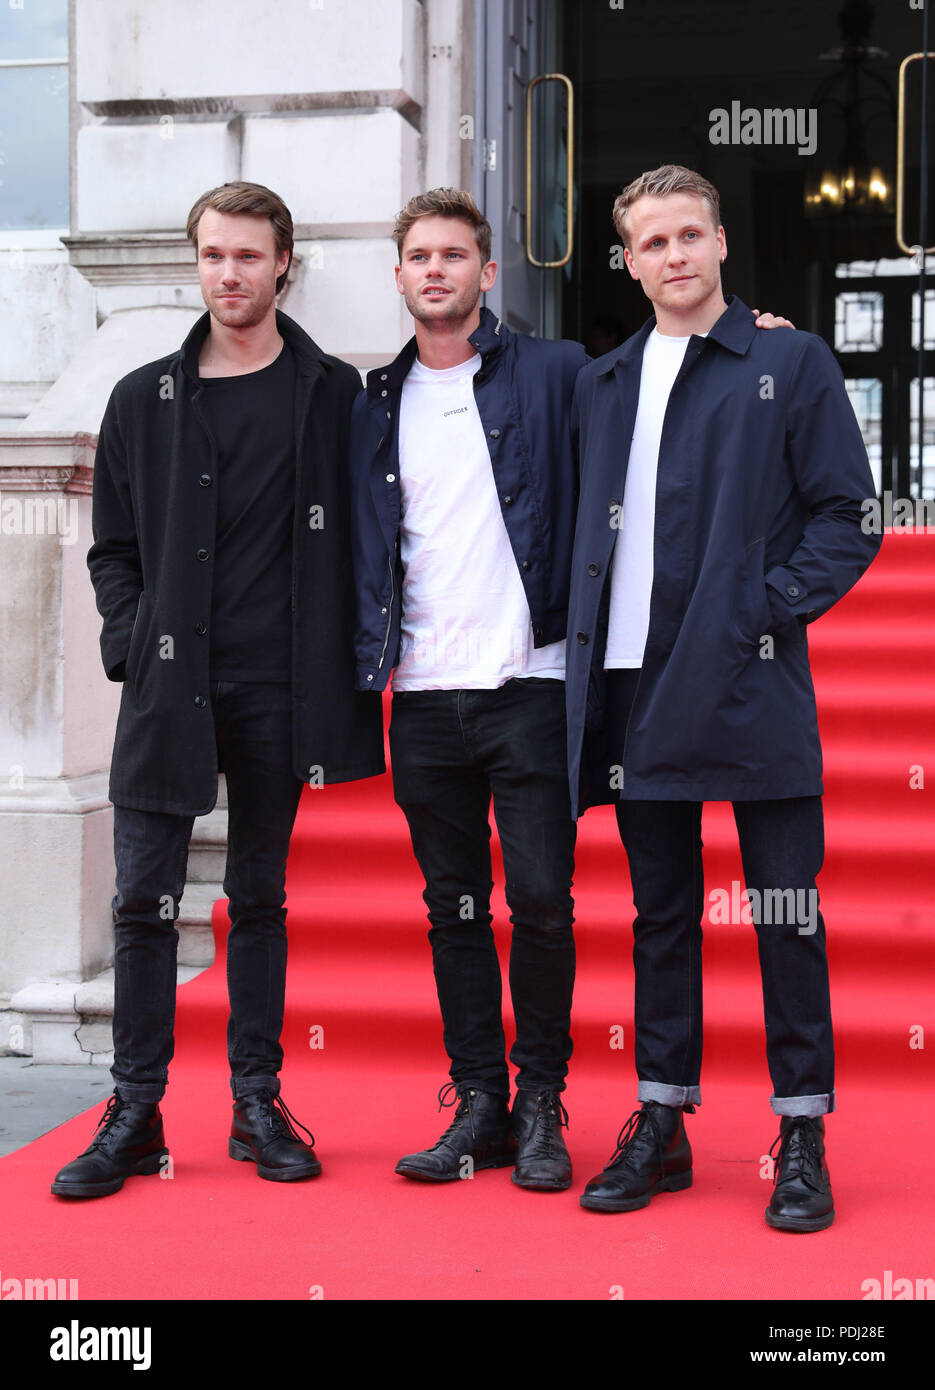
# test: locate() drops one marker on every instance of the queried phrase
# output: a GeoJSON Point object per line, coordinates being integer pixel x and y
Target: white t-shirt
{"type": "Point", "coordinates": [465, 619]}
{"type": "Point", "coordinates": [631, 577]}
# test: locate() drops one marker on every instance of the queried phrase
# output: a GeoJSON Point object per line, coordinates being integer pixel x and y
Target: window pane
{"type": "Point", "coordinates": [858, 321]}
{"type": "Point", "coordinates": [38, 30]}
{"type": "Point", "coordinates": [864, 270]}
{"type": "Point", "coordinates": [866, 396]}
{"type": "Point", "coordinates": [929, 320]}
{"type": "Point", "coordinates": [33, 147]}
{"type": "Point", "coordinates": [928, 436]}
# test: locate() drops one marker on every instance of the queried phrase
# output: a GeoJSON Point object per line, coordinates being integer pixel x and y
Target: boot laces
{"type": "Point", "coordinates": [280, 1120]}
{"type": "Point", "coordinates": [633, 1129]}
{"type": "Point", "coordinates": [800, 1154]}
{"type": "Point", "coordinates": [105, 1125]}
{"type": "Point", "coordinates": [550, 1115]}
{"type": "Point", "coordinates": [462, 1097]}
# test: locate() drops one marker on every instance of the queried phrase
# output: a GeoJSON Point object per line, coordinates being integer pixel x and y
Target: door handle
{"type": "Point", "coordinates": [569, 171]}
{"type": "Point", "coordinates": [901, 152]}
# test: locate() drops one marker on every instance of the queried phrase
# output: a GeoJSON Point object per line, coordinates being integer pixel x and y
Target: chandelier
{"type": "Point", "coordinates": [854, 95]}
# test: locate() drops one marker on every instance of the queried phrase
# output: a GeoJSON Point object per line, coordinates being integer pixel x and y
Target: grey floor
{"type": "Point", "coordinates": [34, 1099]}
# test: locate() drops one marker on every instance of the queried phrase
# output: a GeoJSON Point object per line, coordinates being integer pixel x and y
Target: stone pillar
{"type": "Point", "coordinates": [57, 713]}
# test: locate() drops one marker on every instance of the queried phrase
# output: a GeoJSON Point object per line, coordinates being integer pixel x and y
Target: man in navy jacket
{"type": "Point", "coordinates": [722, 476]}
{"type": "Point", "coordinates": [463, 503]}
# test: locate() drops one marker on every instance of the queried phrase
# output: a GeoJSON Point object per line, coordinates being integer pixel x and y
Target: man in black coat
{"type": "Point", "coordinates": [222, 570]}
{"type": "Point", "coordinates": [722, 481]}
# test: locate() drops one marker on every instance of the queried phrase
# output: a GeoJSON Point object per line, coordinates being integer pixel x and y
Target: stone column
{"type": "Point", "coordinates": [57, 713]}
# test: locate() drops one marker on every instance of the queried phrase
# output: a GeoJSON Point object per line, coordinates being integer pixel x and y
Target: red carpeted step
{"type": "Point", "coordinates": [360, 972]}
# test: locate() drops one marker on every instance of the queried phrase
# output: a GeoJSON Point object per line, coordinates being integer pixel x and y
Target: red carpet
{"type": "Point", "coordinates": [360, 971]}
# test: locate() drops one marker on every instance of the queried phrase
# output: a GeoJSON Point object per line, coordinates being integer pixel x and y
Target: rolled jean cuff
{"type": "Point", "coordinates": [669, 1095]}
{"type": "Point", "coordinates": [811, 1106]}
{"type": "Point", "coordinates": [139, 1094]}
{"type": "Point", "coordinates": [251, 1086]}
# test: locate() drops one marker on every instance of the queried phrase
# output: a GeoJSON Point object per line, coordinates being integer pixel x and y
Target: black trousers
{"type": "Point", "coordinates": [452, 750]}
{"type": "Point", "coordinates": [253, 724]}
{"type": "Point", "coordinates": [782, 848]}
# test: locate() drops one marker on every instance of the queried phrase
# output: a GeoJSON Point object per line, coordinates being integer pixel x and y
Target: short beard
{"type": "Point", "coordinates": [257, 310]}
{"type": "Point", "coordinates": [458, 310]}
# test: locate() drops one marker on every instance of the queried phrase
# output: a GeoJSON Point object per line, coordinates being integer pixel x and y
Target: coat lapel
{"type": "Point", "coordinates": [627, 374]}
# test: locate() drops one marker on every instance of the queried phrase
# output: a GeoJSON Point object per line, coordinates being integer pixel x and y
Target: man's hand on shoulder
{"type": "Point", "coordinates": [771, 320]}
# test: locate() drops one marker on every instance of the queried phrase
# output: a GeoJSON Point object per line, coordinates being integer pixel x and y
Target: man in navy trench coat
{"type": "Point", "coordinates": [722, 476]}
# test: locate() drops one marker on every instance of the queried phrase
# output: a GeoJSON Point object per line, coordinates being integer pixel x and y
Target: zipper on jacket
{"type": "Point", "coordinates": [389, 611]}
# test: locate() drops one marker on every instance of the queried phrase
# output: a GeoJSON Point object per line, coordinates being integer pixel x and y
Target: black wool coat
{"type": "Point", "coordinates": [154, 519]}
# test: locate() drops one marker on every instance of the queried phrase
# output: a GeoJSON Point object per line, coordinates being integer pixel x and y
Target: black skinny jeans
{"type": "Point", "coordinates": [452, 750]}
{"type": "Point", "coordinates": [253, 726]}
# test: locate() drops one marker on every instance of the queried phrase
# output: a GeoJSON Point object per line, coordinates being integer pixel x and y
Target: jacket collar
{"type": "Point", "coordinates": [488, 338]}
{"type": "Point", "coordinates": [734, 330]}
{"type": "Point", "coordinates": [309, 356]}
{"type": "Point", "coordinates": [490, 335]}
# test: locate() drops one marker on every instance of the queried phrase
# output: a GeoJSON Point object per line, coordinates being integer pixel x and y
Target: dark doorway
{"type": "Point", "coordinates": [649, 80]}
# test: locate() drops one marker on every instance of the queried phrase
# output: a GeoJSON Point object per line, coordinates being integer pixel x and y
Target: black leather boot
{"type": "Point", "coordinates": [542, 1160]}
{"type": "Point", "coordinates": [802, 1199]}
{"type": "Point", "coordinates": [480, 1131]}
{"type": "Point", "coordinates": [652, 1155]}
{"type": "Point", "coordinates": [129, 1140]}
{"type": "Point", "coordinates": [262, 1132]}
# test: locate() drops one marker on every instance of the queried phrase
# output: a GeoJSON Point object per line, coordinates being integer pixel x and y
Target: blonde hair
{"type": "Point", "coordinates": [444, 202]}
{"type": "Point", "coordinates": [660, 183]}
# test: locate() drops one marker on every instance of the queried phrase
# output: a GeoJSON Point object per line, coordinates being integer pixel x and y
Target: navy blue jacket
{"type": "Point", "coordinates": [762, 472]}
{"type": "Point", "coordinates": [523, 390]}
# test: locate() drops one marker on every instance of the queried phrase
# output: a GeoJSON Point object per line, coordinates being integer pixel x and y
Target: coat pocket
{"type": "Point", "coordinates": [136, 639]}
{"type": "Point", "coordinates": [752, 619]}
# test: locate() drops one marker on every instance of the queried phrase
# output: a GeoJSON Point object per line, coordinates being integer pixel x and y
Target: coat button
{"type": "Point", "coordinates": [383, 376]}
{"type": "Point", "coordinates": [508, 501]}
{"type": "Point", "coordinates": [526, 565]}
{"type": "Point", "coordinates": [201, 554]}
{"type": "Point", "coordinates": [201, 629]}
{"type": "Point", "coordinates": [537, 632]}
{"type": "Point", "coordinates": [200, 702]}
{"type": "Point", "coordinates": [383, 393]}
{"type": "Point", "coordinates": [594, 570]}
{"type": "Point", "coordinates": [583, 638]}
{"type": "Point", "coordinates": [792, 590]}
{"type": "Point", "coordinates": [383, 611]}
{"type": "Point", "coordinates": [370, 678]}
{"type": "Point", "coordinates": [205, 480]}
{"type": "Point", "coordinates": [495, 434]}
{"type": "Point", "coordinates": [391, 477]}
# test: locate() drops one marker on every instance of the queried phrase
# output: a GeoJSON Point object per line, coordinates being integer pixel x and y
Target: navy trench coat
{"type": "Point", "coordinates": [762, 472]}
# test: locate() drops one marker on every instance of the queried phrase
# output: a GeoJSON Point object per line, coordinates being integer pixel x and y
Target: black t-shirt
{"type": "Point", "coordinates": [252, 419]}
